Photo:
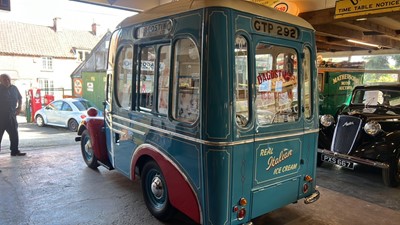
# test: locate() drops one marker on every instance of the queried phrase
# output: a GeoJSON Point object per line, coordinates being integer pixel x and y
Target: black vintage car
{"type": "Point", "coordinates": [367, 131]}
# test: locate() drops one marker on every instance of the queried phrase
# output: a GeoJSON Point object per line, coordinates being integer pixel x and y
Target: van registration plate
{"type": "Point", "coordinates": [341, 162]}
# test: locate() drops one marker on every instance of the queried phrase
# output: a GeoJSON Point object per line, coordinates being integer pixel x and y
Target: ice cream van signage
{"type": "Point", "coordinates": [277, 159]}
{"type": "Point", "coordinates": [277, 163]}
{"type": "Point", "coordinates": [154, 30]}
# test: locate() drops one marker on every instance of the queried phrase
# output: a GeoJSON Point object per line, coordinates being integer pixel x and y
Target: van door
{"type": "Point", "coordinates": [279, 125]}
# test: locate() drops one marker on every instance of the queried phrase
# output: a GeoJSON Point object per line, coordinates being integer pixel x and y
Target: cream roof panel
{"type": "Point", "coordinates": [189, 5]}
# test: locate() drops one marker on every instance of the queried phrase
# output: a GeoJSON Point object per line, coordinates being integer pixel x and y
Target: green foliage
{"type": "Point", "coordinates": [396, 59]}
{"type": "Point", "coordinates": [380, 62]}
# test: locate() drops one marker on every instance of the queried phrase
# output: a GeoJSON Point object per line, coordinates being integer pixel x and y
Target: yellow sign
{"type": "Point", "coordinates": [353, 8]}
{"type": "Point", "coordinates": [264, 2]}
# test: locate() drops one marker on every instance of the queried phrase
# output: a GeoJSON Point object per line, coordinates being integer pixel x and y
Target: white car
{"type": "Point", "coordinates": [68, 112]}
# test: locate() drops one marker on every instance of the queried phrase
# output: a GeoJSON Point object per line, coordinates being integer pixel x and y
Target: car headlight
{"type": "Point", "coordinates": [327, 120]}
{"type": "Point", "coordinates": [372, 128]}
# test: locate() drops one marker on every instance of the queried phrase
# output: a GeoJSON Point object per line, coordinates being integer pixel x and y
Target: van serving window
{"type": "Point", "coordinates": [276, 69]}
{"type": "Point", "coordinates": [123, 78]}
{"type": "Point", "coordinates": [186, 81]}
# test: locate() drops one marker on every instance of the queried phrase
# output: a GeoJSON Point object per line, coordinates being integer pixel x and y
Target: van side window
{"type": "Point", "coordinates": [123, 77]}
{"type": "Point", "coordinates": [276, 84]}
{"type": "Point", "coordinates": [242, 81]}
{"type": "Point", "coordinates": [307, 83]}
{"type": "Point", "coordinates": [186, 81]}
{"type": "Point", "coordinates": [146, 78]}
{"type": "Point", "coordinates": [163, 79]}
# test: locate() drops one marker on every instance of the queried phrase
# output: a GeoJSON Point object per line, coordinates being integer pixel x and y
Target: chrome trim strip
{"type": "Point", "coordinates": [213, 143]}
{"type": "Point", "coordinates": [117, 131]}
{"type": "Point", "coordinates": [354, 159]}
{"type": "Point", "coordinates": [287, 135]}
{"type": "Point", "coordinates": [128, 128]}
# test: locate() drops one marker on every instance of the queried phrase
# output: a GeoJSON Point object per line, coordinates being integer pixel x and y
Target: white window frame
{"type": "Point", "coordinates": [81, 54]}
{"type": "Point", "coordinates": [47, 63]}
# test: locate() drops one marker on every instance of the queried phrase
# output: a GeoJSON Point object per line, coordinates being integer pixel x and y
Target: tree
{"type": "Point", "coordinates": [396, 58]}
{"type": "Point", "coordinates": [380, 62]}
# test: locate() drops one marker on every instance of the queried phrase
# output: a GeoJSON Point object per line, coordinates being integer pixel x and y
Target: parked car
{"type": "Point", "coordinates": [367, 131]}
{"type": "Point", "coordinates": [67, 112]}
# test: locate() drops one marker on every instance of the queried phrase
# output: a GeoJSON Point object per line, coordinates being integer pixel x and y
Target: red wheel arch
{"type": "Point", "coordinates": [180, 192]}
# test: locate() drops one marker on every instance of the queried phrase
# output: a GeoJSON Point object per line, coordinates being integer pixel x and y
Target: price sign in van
{"type": "Point", "coordinates": [274, 29]}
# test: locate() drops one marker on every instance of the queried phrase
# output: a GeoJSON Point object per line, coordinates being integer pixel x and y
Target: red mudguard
{"type": "Point", "coordinates": [98, 139]}
{"type": "Point", "coordinates": [180, 193]}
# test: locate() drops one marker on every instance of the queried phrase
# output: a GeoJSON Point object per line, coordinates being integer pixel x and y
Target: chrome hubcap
{"type": "Point", "coordinates": [157, 187]}
{"type": "Point", "coordinates": [88, 148]}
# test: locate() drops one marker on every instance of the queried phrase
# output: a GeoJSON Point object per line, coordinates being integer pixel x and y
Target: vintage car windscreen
{"type": "Point", "coordinates": [377, 97]}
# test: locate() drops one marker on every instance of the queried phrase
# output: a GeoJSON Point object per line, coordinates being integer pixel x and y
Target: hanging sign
{"type": "Point", "coordinates": [356, 8]}
{"type": "Point", "coordinates": [284, 6]}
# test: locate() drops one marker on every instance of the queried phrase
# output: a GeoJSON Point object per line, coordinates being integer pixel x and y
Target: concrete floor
{"type": "Point", "coordinates": [53, 186]}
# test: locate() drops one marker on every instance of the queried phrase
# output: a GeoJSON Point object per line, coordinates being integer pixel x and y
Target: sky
{"type": "Point", "coordinates": [74, 15]}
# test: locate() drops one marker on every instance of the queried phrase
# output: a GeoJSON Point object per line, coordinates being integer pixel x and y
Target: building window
{"type": "Point", "coordinates": [82, 55]}
{"type": "Point", "coordinates": [47, 63]}
{"type": "Point", "coordinates": [5, 5]}
{"type": "Point", "coordinates": [46, 86]}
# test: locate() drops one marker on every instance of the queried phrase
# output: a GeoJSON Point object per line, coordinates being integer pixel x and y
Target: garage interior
{"type": "Point", "coordinates": [118, 199]}
{"type": "Point", "coordinates": [380, 30]}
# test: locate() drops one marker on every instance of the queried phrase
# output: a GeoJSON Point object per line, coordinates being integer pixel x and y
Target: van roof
{"type": "Point", "coordinates": [181, 6]}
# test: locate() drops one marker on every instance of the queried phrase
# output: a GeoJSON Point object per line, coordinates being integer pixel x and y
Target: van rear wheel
{"type": "Point", "coordinates": [155, 192]}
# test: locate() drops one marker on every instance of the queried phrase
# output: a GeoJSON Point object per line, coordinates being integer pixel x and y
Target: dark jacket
{"type": "Point", "coordinates": [9, 98]}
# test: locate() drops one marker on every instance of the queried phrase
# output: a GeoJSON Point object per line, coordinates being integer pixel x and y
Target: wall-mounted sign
{"type": "Point", "coordinates": [89, 86]}
{"type": "Point", "coordinates": [356, 8]}
{"type": "Point", "coordinates": [155, 29]}
{"type": "Point", "coordinates": [78, 87]}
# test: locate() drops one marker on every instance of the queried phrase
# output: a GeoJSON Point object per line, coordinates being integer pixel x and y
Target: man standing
{"type": "Point", "coordinates": [10, 107]}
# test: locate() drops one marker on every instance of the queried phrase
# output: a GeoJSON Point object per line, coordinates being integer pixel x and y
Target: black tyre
{"type": "Point", "coordinates": [87, 151]}
{"type": "Point", "coordinates": [39, 120]}
{"type": "Point", "coordinates": [319, 161]}
{"type": "Point", "coordinates": [391, 175]}
{"type": "Point", "coordinates": [73, 125]}
{"type": "Point", "coordinates": [155, 192]}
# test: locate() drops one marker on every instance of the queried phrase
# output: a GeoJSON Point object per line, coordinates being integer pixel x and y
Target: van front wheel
{"type": "Point", "coordinates": [87, 151]}
{"type": "Point", "coordinates": [155, 192]}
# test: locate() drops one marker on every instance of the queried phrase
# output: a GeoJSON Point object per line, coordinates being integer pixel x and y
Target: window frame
{"type": "Point", "coordinates": [47, 63]}
{"type": "Point", "coordinates": [116, 80]}
{"type": "Point", "coordinates": [288, 115]}
{"type": "Point", "coordinates": [193, 86]}
{"type": "Point", "coordinates": [240, 119]}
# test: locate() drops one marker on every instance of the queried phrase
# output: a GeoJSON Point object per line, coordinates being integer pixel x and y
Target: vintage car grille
{"type": "Point", "coordinates": [346, 133]}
